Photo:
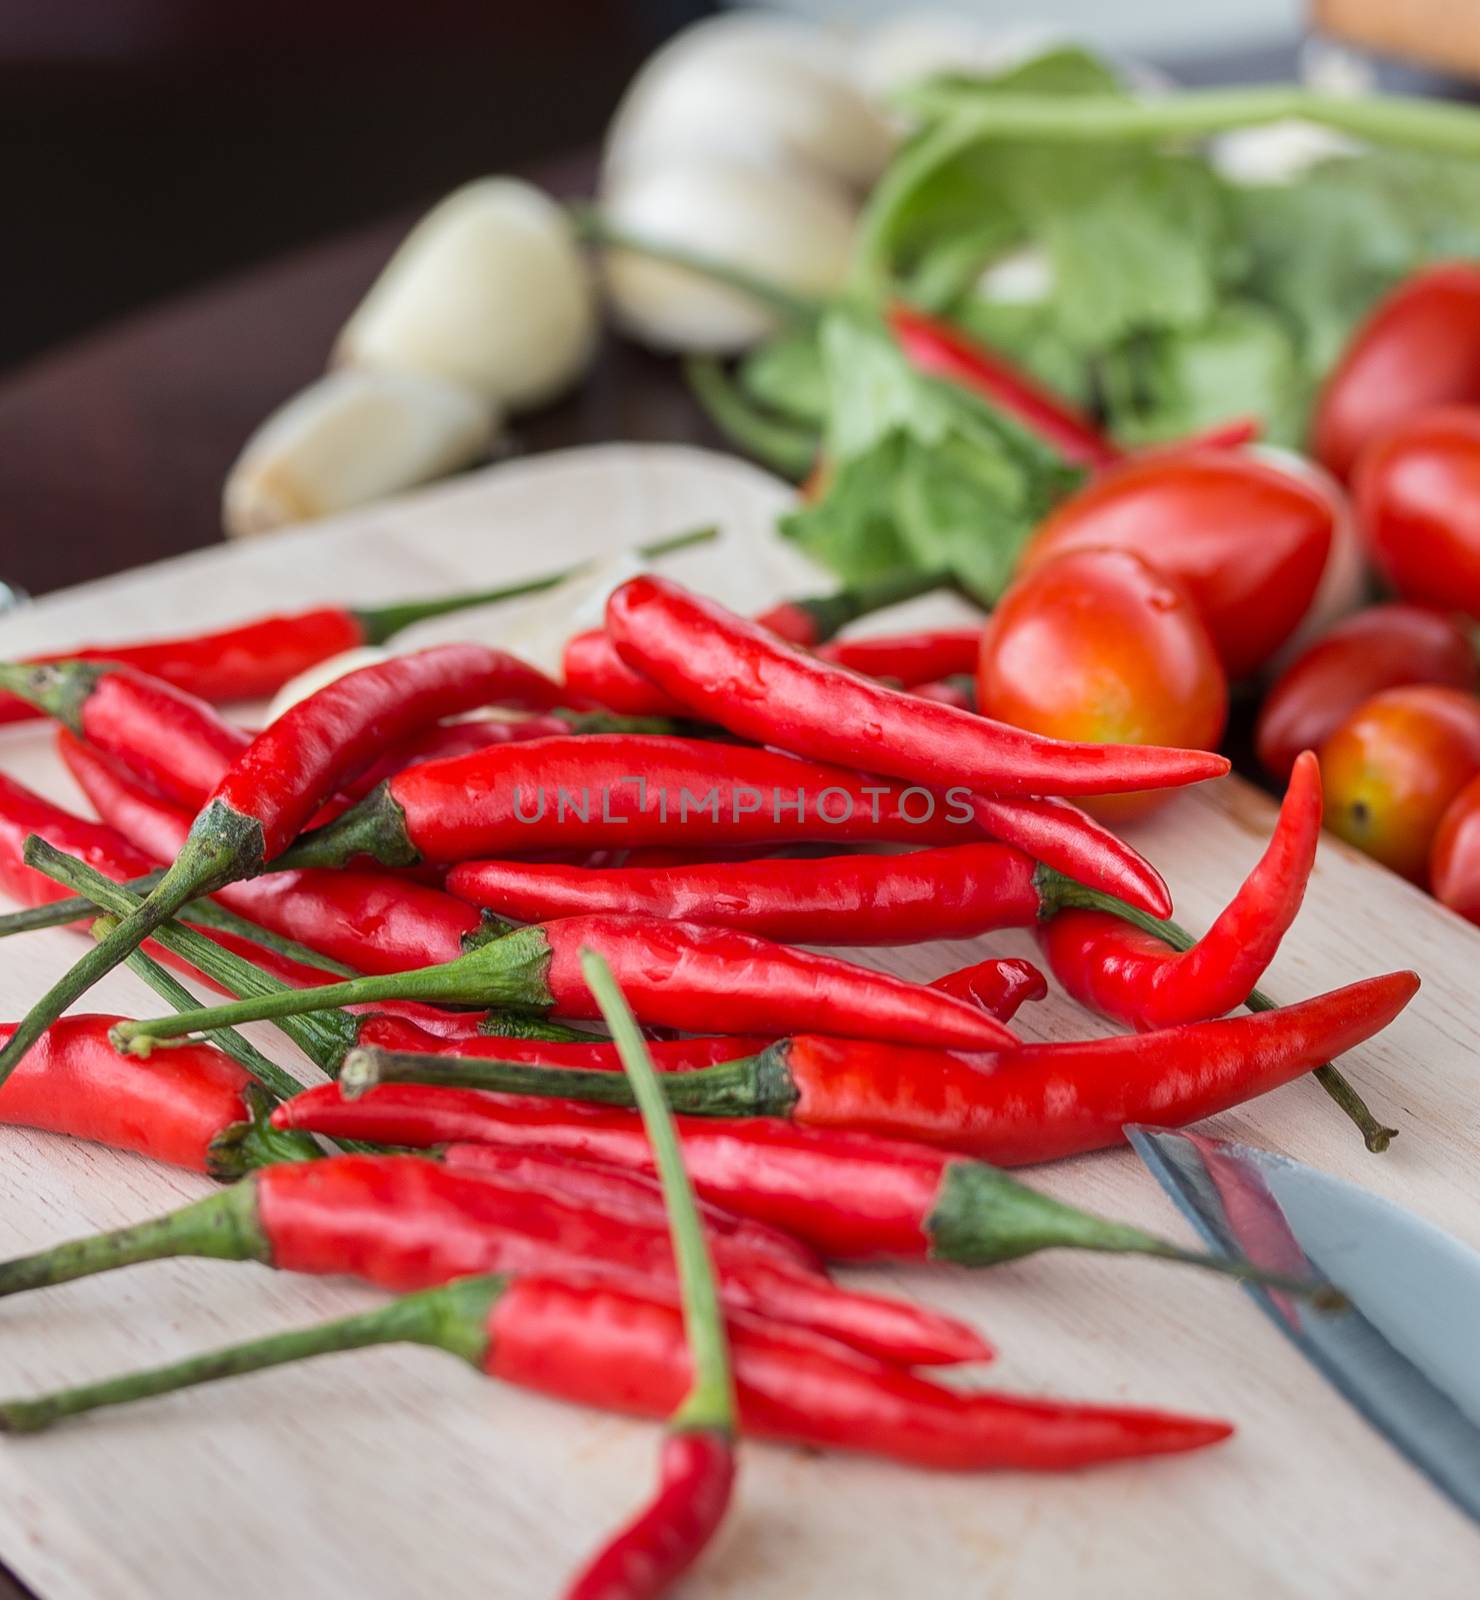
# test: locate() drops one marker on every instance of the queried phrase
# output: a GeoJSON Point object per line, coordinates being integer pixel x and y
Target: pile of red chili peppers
{"type": "Point", "coordinates": [427, 905]}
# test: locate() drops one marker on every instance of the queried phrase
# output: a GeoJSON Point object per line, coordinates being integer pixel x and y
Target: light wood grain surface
{"type": "Point", "coordinates": [398, 1472]}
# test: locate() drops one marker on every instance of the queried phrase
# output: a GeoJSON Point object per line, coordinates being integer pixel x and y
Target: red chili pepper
{"type": "Point", "coordinates": [956, 892]}
{"type": "Point", "coordinates": [1037, 1103]}
{"type": "Point", "coordinates": [402, 1222]}
{"type": "Point", "coordinates": [909, 659]}
{"type": "Point", "coordinates": [285, 775]}
{"type": "Point", "coordinates": [675, 974]}
{"type": "Point", "coordinates": [999, 987]}
{"type": "Point", "coordinates": [191, 1108]}
{"type": "Point", "coordinates": [851, 1196]}
{"type": "Point", "coordinates": [728, 671]}
{"type": "Point", "coordinates": [1383, 647]}
{"type": "Point", "coordinates": [254, 659]}
{"type": "Point", "coordinates": [374, 921]}
{"type": "Point", "coordinates": [958, 692]}
{"type": "Point", "coordinates": [1134, 976]}
{"type": "Point", "coordinates": [450, 739]}
{"type": "Point", "coordinates": [599, 1344]}
{"type": "Point", "coordinates": [945, 352]}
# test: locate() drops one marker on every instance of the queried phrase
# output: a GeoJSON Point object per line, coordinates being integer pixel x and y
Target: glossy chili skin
{"type": "Point", "coordinates": [729, 671]}
{"type": "Point", "coordinates": [605, 1346]}
{"type": "Point", "coordinates": [645, 1558]}
{"type": "Point", "coordinates": [999, 987]}
{"type": "Point", "coordinates": [956, 892]}
{"type": "Point", "coordinates": [1420, 347]}
{"type": "Point", "coordinates": [1415, 490]}
{"type": "Point", "coordinates": [1454, 859]}
{"type": "Point", "coordinates": [1384, 647]}
{"type": "Point", "coordinates": [371, 920]}
{"type": "Point", "coordinates": [936, 347]}
{"type": "Point", "coordinates": [448, 740]}
{"type": "Point", "coordinates": [1189, 514]}
{"type": "Point", "coordinates": [402, 1223]}
{"type": "Point", "coordinates": [909, 659]}
{"type": "Point", "coordinates": [590, 666]}
{"type": "Point", "coordinates": [1131, 975]}
{"type": "Point", "coordinates": [247, 662]}
{"type": "Point", "coordinates": [176, 1107]}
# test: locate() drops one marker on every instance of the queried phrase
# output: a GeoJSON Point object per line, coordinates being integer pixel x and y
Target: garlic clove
{"type": "Point", "coordinates": [787, 227]}
{"type": "Point", "coordinates": [348, 439]}
{"type": "Point", "coordinates": [491, 290]}
{"type": "Point", "coordinates": [774, 91]}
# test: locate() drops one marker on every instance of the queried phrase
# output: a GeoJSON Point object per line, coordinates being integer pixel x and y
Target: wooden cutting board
{"type": "Point", "coordinates": [399, 1472]}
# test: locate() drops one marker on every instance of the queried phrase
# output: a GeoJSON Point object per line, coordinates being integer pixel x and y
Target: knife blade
{"type": "Point", "coordinates": [1407, 1352]}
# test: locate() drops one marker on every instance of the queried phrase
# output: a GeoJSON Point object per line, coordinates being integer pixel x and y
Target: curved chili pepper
{"type": "Point", "coordinates": [999, 987]}
{"type": "Point", "coordinates": [277, 783]}
{"type": "Point", "coordinates": [1134, 976]}
{"type": "Point", "coordinates": [954, 892]}
{"type": "Point", "coordinates": [945, 351]}
{"type": "Point", "coordinates": [730, 672]}
{"type": "Point", "coordinates": [599, 1055]}
{"type": "Point", "coordinates": [252, 660]}
{"type": "Point", "coordinates": [191, 1108]}
{"type": "Point", "coordinates": [851, 1196]}
{"type": "Point", "coordinates": [372, 920]}
{"type": "Point", "coordinates": [675, 975]}
{"type": "Point", "coordinates": [1038, 1103]}
{"type": "Point", "coordinates": [698, 1465]}
{"type": "Point", "coordinates": [402, 1222]}
{"type": "Point", "coordinates": [606, 1345]}
{"type": "Point", "coordinates": [448, 740]}
{"type": "Point", "coordinates": [909, 659]}
{"type": "Point", "coordinates": [591, 667]}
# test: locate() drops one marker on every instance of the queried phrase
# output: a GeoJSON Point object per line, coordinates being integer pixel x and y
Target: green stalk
{"type": "Point", "coordinates": [789, 304]}
{"type": "Point", "coordinates": [710, 1402]}
{"type": "Point", "coordinates": [382, 622]}
{"type": "Point", "coordinates": [323, 1040]}
{"type": "Point", "coordinates": [454, 1318]}
{"type": "Point", "coordinates": [1059, 892]}
{"type": "Point", "coordinates": [783, 447]}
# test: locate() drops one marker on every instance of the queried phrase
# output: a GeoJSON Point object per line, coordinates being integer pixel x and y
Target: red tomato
{"type": "Point", "coordinates": [1098, 646]}
{"type": "Point", "coordinates": [1417, 493]}
{"type": "Point", "coordinates": [1420, 347]}
{"type": "Point", "coordinates": [1247, 541]}
{"type": "Point", "coordinates": [1390, 770]}
{"type": "Point", "coordinates": [1454, 862]}
{"type": "Point", "coordinates": [1384, 647]}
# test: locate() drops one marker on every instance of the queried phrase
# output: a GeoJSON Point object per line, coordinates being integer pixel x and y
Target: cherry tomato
{"type": "Point", "coordinates": [1420, 347]}
{"type": "Point", "coordinates": [1384, 647]}
{"type": "Point", "coordinates": [1417, 492]}
{"type": "Point", "coordinates": [1454, 861]}
{"type": "Point", "coordinates": [1393, 766]}
{"type": "Point", "coordinates": [1096, 645]}
{"type": "Point", "coordinates": [1247, 541]}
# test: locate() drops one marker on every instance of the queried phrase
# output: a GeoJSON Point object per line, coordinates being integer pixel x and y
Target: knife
{"type": "Point", "coordinates": [1407, 1352]}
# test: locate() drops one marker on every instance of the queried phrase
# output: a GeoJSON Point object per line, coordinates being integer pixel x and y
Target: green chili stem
{"type": "Point", "coordinates": [784, 448]}
{"type": "Point", "coordinates": [710, 1402]}
{"type": "Point", "coordinates": [382, 622]}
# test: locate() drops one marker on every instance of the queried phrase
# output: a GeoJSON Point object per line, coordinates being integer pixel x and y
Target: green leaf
{"type": "Point", "coordinates": [1029, 335]}
{"type": "Point", "coordinates": [785, 376]}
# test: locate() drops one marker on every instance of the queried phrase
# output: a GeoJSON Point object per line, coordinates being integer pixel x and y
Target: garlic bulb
{"type": "Point", "coordinates": [772, 91]}
{"type": "Point", "coordinates": [490, 290]}
{"type": "Point", "coordinates": [348, 439]}
{"type": "Point", "coordinates": [788, 228]}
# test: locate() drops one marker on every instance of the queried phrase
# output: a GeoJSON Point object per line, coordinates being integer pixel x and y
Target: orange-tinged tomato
{"type": "Point", "coordinates": [1390, 770]}
{"type": "Point", "coordinates": [1247, 541]}
{"type": "Point", "coordinates": [1097, 646]}
{"type": "Point", "coordinates": [1454, 861]}
{"type": "Point", "coordinates": [1420, 347]}
{"type": "Point", "coordinates": [1417, 492]}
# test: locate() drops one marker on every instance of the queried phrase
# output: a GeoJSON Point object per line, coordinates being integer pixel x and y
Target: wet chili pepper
{"type": "Point", "coordinates": [254, 659]}
{"type": "Point", "coordinates": [944, 351]}
{"type": "Point", "coordinates": [954, 892]}
{"type": "Point", "coordinates": [675, 975]}
{"type": "Point", "coordinates": [730, 672]}
{"type": "Point", "coordinates": [599, 1344]}
{"type": "Point", "coordinates": [851, 1196]}
{"type": "Point", "coordinates": [1037, 1103]}
{"type": "Point", "coordinates": [1133, 975]}
{"type": "Point", "coordinates": [281, 779]}
{"type": "Point", "coordinates": [191, 1108]}
{"type": "Point", "coordinates": [909, 659]}
{"type": "Point", "coordinates": [402, 1223]}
